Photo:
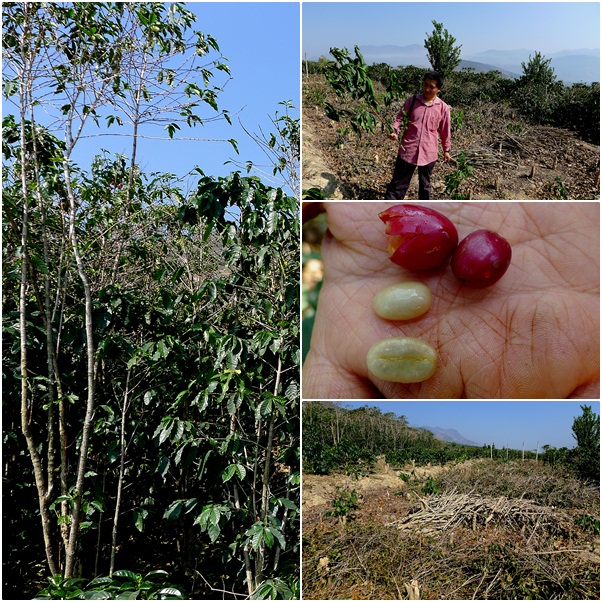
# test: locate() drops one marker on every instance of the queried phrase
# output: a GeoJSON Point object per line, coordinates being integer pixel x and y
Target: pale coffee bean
{"type": "Point", "coordinates": [402, 360]}
{"type": "Point", "coordinates": [402, 301]}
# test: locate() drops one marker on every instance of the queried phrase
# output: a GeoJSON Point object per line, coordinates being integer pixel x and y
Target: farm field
{"type": "Point", "coordinates": [511, 158]}
{"type": "Point", "coordinates": [473, 529]}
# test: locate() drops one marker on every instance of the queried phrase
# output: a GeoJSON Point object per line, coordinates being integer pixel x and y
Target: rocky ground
{"type": "Point", "coordinates": [511, 159]}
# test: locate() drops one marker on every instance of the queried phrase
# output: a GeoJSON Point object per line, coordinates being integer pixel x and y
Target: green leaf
{"type": "Point", "coordinates": [139, 515]}
{"type": "Point", "coordinates": [234, 144]}
{"type": "Point", "coordinates": [158, 573]}
{"type": "Point", "coordinates": [126, 575]}
{"type": "Point", "coordinates": [287, 503]}
{"type": "Point", "coordinates": [96, 594]}
{"type": "Point", "coordinates": [173, 511]}
{"type": "Point", "coordinates": [234, 469]}
{"type": "Point", "coordinates": [213, 531]}
{"type": "Point", "coordinates": [170, 593]}
{"type": "Point", "coordinates": [163, 466]}
{"type": "Point", "coordinates": [228, 473]}
{"type": "Point", "coordinates": [166, 431]}
{"type": "Point", "coordinates": [132, 595]}
{"type": "Point", "coordinates": [268, 537]}
{"type": "Point", "coordinates": [256, 540]}
{"type": "Point", "coordinates": [99, 581]}
{"type": "Point", "coordinates": [278, 535]}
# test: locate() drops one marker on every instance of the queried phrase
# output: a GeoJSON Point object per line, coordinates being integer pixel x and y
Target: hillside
{"type": "Point", "coordinates": [512, 159]}
{"type": "Point", "coordinates": [570, 66]}
{"type": "Point", "coordinates": [449, 435]}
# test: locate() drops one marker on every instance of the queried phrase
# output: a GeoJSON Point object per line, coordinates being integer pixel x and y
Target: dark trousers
{"type": "Point", "coordinates": [402, 174]}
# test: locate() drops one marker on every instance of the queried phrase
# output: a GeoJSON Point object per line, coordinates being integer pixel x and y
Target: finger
{"type": "Point", "coordinates": [321, 379]}
{"type": "Point", "coordinates": [589, 391]}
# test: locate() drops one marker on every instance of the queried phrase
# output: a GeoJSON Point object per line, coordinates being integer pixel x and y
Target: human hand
{"type": "Point", "coordinates": [534, 334]}
{"type": "Point", "coordinates": [446, 157]}
{"type": "Point", "coordinates": [393, 136]}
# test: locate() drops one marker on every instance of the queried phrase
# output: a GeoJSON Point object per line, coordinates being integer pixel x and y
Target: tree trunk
{"type": "Point", "coordinates": [121, 472]}
{"type": "Point", "coordinates": [42, 487]}
{"type": "Point", "coordinates": [90, 357]}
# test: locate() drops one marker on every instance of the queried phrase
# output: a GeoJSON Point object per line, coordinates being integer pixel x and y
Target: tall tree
{"type": "Point", "coordinates": [442, 53]}
{"type": "Point", "coordinates": [537, 88]}
{"type": "Point", "coordinates": [75, 64]}
{"type": "Point", "coordinates": [586, 431]}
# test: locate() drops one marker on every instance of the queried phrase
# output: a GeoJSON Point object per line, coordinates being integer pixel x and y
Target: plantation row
{"type": "Point", "coordinates": [335, 439]}
{"type": "Point", "coordinates": [537, 95]}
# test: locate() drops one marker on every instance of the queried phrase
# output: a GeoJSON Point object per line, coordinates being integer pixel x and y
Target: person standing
{"type": "Point", "coordinates": [428, 120]}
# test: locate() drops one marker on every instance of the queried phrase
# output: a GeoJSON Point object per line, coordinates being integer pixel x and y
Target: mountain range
{"type": "Point", "coordinates": [570, 66]}
{"type": "Point", "coordinates": [450, 435]}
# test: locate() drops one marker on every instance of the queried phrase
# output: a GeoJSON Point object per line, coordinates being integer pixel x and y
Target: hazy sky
{"type": "Point", "coordinates": [499, 422]}
{"type": "Point", "coordinates": [478, 26]}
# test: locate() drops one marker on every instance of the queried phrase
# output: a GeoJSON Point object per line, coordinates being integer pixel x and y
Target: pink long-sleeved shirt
{"type": "Point", "coordinates": [420, 143]}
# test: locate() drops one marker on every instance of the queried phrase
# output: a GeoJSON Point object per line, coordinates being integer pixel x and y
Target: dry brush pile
{"type": "Point", "coordinates": [468, 541]}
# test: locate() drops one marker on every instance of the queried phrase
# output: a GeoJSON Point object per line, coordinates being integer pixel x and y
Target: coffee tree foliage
{"type": "Point", "coordinates": [339, 439]}
{"type": "Point", "coordinates": [442, 53]}
{"type": "Point", "coordinates": [586, 431]}
{"type": "Point", "coordinates": [150, 374]}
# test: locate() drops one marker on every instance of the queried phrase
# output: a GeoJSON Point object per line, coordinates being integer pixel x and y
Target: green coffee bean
{"type": "Point", "coordinates": [402, 301]}
{"type": "Point", "coordinates": [402, 360]}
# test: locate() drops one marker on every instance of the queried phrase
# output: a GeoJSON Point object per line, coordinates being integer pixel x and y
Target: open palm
{"type": "Point", "coordinates": [534, 334]}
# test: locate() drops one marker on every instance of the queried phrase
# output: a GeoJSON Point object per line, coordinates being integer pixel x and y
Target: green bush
{"type": "Point", "coordinates": [123, 585]}
{"type": "Point", "coordinates": [345, 502]}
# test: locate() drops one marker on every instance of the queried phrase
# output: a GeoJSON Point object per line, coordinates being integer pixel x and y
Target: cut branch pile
{"type": "Point", "coordinates": [482, 157]}
{"type": "Point", "coordinates": [514, 145]}
{"type": "Point", "coordinates": [440, 512]}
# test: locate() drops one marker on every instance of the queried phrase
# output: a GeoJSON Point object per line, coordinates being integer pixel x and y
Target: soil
{"type": "Point", "coordinates": [375, 491]}
{"type": "Point", "coordinates": [512, 159]}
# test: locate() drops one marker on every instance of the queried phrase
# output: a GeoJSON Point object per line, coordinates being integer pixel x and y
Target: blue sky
{"type": "Point", "coordinates": [478, 26]}
{"type": "Point", "coordinates": [499, 422]}
{"type": "Point", "coordinates": [261, 41]}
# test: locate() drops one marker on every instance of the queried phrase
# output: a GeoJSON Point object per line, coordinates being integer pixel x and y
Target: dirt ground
{"type": "Point", "coordinates": [512, 160]}
{"type": "Point", "coordinates": [376, 490]}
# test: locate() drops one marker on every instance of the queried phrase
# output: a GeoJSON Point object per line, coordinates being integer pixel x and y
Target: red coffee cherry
{"type": "Point", "coordinates": [419, 238]}
{"type": "Point", "coordinates": [481, 259]}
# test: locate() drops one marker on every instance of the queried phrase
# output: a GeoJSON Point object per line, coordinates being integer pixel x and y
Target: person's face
{"type": "Point", "coordinates": [430, 89]}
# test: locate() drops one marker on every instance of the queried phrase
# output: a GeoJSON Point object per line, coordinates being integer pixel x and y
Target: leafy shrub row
{"type": "Point", "coordinates": [338, 439]}
{"type": "Point", "coordinates": [575, 107]}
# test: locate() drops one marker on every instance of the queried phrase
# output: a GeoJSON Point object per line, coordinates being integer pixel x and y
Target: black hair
{"type": "Point", "coordinates": [436, 76]}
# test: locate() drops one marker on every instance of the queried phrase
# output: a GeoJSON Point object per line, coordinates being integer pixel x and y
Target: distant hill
{"type": "Point", "coordinates": [485, 68]}
{"type": "Point", "coordinates": [396, 56]}
{"type": "Point", "coordinates": [570, 66]}
{"type": "Point", "coordinates": [450, 435]}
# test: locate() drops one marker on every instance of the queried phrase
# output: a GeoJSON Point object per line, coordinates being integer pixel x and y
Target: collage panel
{"type": "Point", "coordinates": [233, 364]}
{"type": "Point", "coordinates": [509, 112]}
{"type": "Point", "coordinates": [451, 500]}
{"type": "Point", "coordinates": [150, 291]}
{"type": "Point", "coordinates": [495, 300]}
{"type": "Point", "coordinates": [495, 497]}
{"type": "Point", "coordinates": [480, 297]}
